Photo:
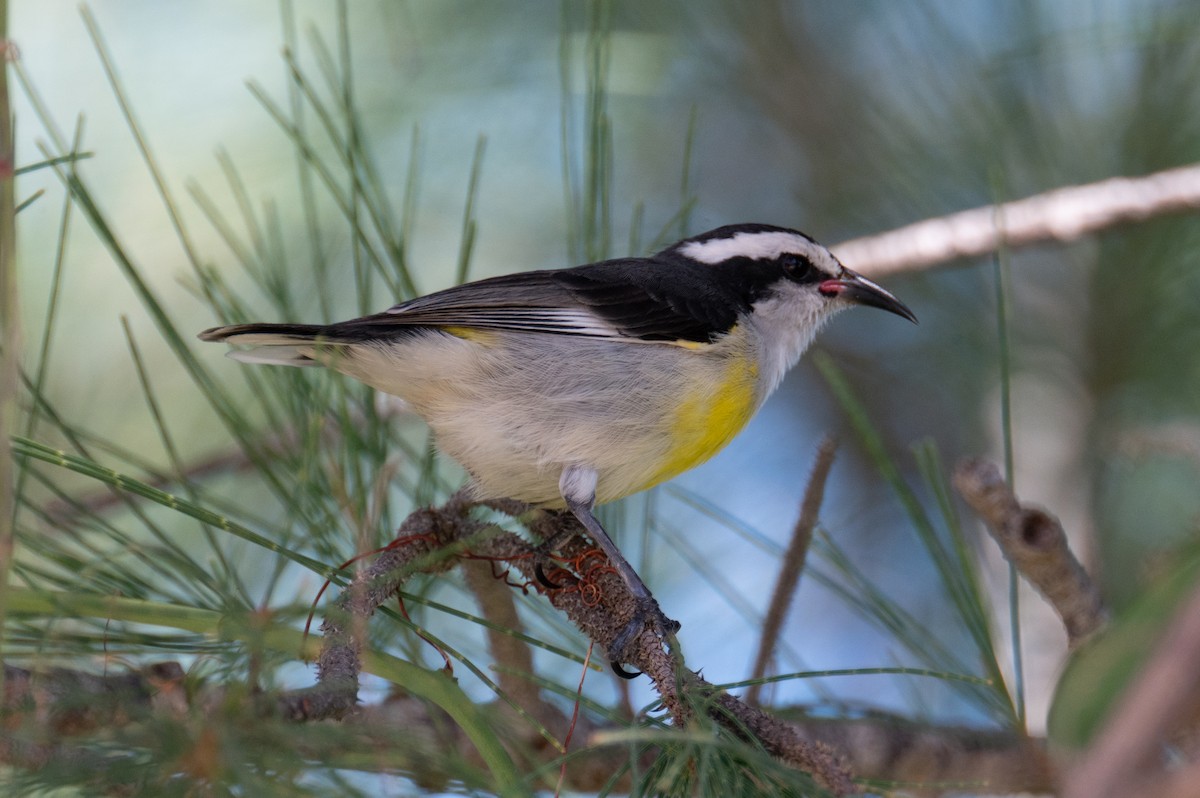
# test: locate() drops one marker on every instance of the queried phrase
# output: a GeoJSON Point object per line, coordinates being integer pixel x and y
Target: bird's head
{"type": "Point", "coordinates": [786, 283]}
{"type": "Point", "coordinates": [765, 261]}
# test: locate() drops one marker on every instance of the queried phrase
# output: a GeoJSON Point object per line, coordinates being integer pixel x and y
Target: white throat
{"type": "Point", "coordinates": [786, 325]}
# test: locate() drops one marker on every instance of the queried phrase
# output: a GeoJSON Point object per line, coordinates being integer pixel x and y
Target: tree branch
{"type": "Point", "coordinates": [1034, 542]}
{"type": "Point", "coordinates": [595, 599]}
{"type": "Point", "coordinates": [1061, 215]}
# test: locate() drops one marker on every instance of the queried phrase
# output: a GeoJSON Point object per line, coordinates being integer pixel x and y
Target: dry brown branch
{"type": "Point", "coordinates": [1125, 760]}
{"type": "Point", "coordinates": [422, 545]}
{"type": "Point", "coordinates": [595, 599]}
{"type": "Point", "coordinates": [1034, 542]}
{"type": "Point", "coordinates": [1060, 216]}
{"type": "Point", "coordinates": [792, 565]}
{"type": "Point", "coordinates": [435, 540]}
{"type": "Point", "coordinates": [600, 605]}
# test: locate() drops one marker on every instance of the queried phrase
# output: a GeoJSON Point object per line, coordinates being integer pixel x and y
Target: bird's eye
{"type": "Point", "coordinates": [797, 267]}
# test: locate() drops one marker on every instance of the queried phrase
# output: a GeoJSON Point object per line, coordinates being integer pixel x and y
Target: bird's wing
{"type": "Point", "coordinates": [598, 300]}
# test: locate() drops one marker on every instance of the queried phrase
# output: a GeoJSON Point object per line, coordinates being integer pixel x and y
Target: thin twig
{"type": "Point", "coordinates": [1060, 216]}
{"type": "Point", "coordinates": [792, 565]}
{"type": "Point", "coordinates": [1035, 543]}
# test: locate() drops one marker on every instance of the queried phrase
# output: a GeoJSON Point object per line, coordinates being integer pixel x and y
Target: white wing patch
{"type": "Point", "coordinates": [571, 321]}
{"type": "Point", "coordinates": [764, 245]}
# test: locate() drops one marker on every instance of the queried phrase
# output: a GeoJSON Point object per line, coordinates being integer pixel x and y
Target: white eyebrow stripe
{"type": "Point", "coordinates": [765, 245]}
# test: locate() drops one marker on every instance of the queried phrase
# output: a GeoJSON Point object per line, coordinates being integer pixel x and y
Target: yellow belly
{"type": "Point", "coordinates": [471, 386]}
{"type": "Point", "coordinates": [709, 417]}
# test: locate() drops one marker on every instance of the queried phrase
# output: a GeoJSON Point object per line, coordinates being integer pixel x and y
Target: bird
{"type": "Point", "coordinates": [571, 387]}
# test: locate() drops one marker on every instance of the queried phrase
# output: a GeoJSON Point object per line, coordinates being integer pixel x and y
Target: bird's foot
{"type": "Point", "coordinates": [543, 553]}
{"type": "Point", "coordinates": [647, 611]}
{"type": "Point", "coordinates": [543, 578]}
{"type": "Point", "coordinates": [546, 565]}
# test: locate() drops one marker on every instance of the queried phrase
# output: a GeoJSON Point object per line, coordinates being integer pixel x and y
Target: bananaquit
{"type": "Point", "coordinates": [566, 388]}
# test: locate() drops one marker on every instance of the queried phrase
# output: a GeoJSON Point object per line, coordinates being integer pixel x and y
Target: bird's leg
{"type": "Point", "coordinates": [578, 486]}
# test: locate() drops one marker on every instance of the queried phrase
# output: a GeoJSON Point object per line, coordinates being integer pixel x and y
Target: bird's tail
{"type": "Point", "coordinates": [277, 344]}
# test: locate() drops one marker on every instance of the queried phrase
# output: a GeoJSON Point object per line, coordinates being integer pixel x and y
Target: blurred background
{"type": "Point", "coordinates": [840, 119]}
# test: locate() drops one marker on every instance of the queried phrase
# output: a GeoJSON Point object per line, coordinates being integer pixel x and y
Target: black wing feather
{"type": "Point", "coordinates": [651, 299]}
{"type": "Point", "coordinates": [667, 302]}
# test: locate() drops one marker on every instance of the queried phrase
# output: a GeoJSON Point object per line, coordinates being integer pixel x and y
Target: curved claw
{"type": "Point", "coordinates": [619, 669]}
{"type": "Point", "coordinates": [646, 611]}
{"type": "Point", "coordinates": [546, 582]}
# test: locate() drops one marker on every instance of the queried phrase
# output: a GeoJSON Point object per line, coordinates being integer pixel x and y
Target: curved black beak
{"type": "Point", "coordinates": [855, 288]}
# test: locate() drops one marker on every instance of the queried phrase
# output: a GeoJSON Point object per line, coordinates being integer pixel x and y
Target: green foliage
{"type": "Point", "coordinates": [209, 554]}
{"type": "Point", "coordinates": [952, 559]}
{"type": "Point", "coordinates": [130, 582]}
